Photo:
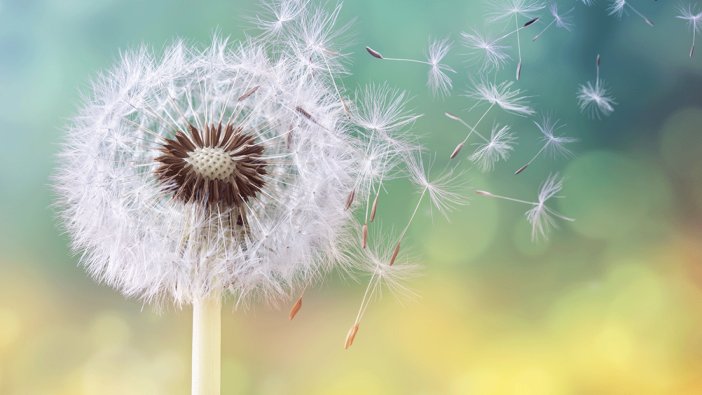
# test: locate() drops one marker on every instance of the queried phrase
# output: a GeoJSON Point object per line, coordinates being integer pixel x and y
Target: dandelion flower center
{"type": "Point", "coordinates": [213, 163]}
{"type": "Point", "coordinates": [216, 166]}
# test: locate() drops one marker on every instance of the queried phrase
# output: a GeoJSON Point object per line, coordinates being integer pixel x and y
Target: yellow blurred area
{"type": "Point", "coordinates": [632, 330]}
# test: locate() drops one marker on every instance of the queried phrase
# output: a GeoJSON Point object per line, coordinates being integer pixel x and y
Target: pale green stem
{"type": "Point", "coordinates": [206, 353]}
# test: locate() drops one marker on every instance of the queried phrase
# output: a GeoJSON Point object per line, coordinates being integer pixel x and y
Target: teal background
{"type": "Point", "coordinates": [610, 305]}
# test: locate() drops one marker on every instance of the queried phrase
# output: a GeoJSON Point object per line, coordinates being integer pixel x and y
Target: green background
{"type": "Point", "coordinates": [609, 305]}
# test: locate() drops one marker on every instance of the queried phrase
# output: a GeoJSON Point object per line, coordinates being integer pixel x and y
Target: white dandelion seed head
{"type": "Point", "coordinates": [594, 99]}
{"type": "Point", "coordinates": [554, 144]}
{"type": "Point", "coordinates": [541, 217]}
{"type": "Point", "coordinates": [502, 95]}
{"type": "Point", "coordinates": [497, 148]}
{"type": "Point", "coordinates": [438, 81]}
{"type": "Point", "coordinates": [217, 170]}
{"type": "Point", "coordinates": [489, 53]}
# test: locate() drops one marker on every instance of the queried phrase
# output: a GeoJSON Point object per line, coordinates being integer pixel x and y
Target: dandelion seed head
{"type": "Point", "coordinates": [213, 170]}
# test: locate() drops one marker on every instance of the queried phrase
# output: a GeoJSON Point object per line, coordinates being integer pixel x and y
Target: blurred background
{"type": "Point", "coordinates": [611, 304]}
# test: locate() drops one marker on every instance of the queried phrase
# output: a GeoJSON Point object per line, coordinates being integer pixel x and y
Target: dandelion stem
{"type": "Point", "coordinates": [692, 48]}
{"type": "Point", "coordinates": [521, 169]}
{"type": "Point", "coordinates": [473, 129]}
{"type": "Point", "coordinates": [519, 47]}
{"type": "Point", "coordinates": [408, 60]}
{"type": "Point", "coordinates": [414, 214]}
{"type": "Point", "coordinates": [336, 88]}
{"type": "Point", "coordinates": [492, 195]}
{"type": "Point", "coordinates": [648, 21]}
{"type": "Point", "coordinates": [206, 357]}
{"type": "Point", "coordinates": [536, 37]}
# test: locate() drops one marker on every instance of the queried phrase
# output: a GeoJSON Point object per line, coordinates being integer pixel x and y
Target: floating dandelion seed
{"type": "Point", "coordinates": [594, 98]}
{"type": "Point", "coordinates": [492, 53]}
{"type": "Point", "coordinates": [500, 95]}
{"type": "Point", "coordinates": [444, 193]}
{"type": "Point", "coordinates": [694, 19]}
{"type": "Point", "coordinates": [540, 216]}
{"type": "Point", "coordinates": [438, 80]}
{"type": "Point", "coordinates": [494, 149]}
{"type": "Point", "coordinates": [555, 145]}
{"type": "Point", "coordinates": [391, 276]}
{"type": "Point", "coordinates": [619, 6]}
{"type": "Point", "coordinates": [560, 20]}
{"type": "Point", "coordinates": [515, 9]}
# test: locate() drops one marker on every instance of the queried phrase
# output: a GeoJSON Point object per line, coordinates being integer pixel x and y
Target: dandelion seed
{"type": "Point", "coordinates": [510, 100]}
{"type": "Point", "coordinates": [540, 216]}
{"type": "Point", "coordinates": [594, 98]}
{"type": "Point", "coordinates": [497, 95]}
{"type": "Point", "coordinates": [384, 274]}
{"type": "Point", "coordinates": [492, 54]}
{"type": "Point", "coordinates": [497, 148]}
{"type": "Point", "coordinates": [295, 308]}
{"type": "Point", "coordinates": [515, 9]}
{"type": "Point", "coordinates": [560, 20]}
{"type": "Point", "coordinates": [619, 6]}
{"type": "Point", "coordinates": [694, 19]}
{"type": "Point", "coordinates": [278, 15]}
{"type": "Point", "coordinates": [553, 144]}
{"type": "Point", "coordinates": [438, 81]}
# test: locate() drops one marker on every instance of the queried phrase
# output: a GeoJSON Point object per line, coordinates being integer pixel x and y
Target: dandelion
{"type": "Point", "coordinates": [438, 81]}
{"type": "Point", "coordinates": [515, 9]}
{"type": "Point", "coordinates": [619, 6]}
{"type": "Point", "coordinates": [594, 98]}
{"type": "Point", "coordinates": [694, 19]}
{"type": "Point", "coordinates": [553, 144]}
{"type": "Point", "coordinates": [227, 170]}
{"type": "Point", "coordinates": [492, 53]}
{"type": "Point", "coordinates": [560, 20]}
{"type": "Point", "coordinates": [541, 217]}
